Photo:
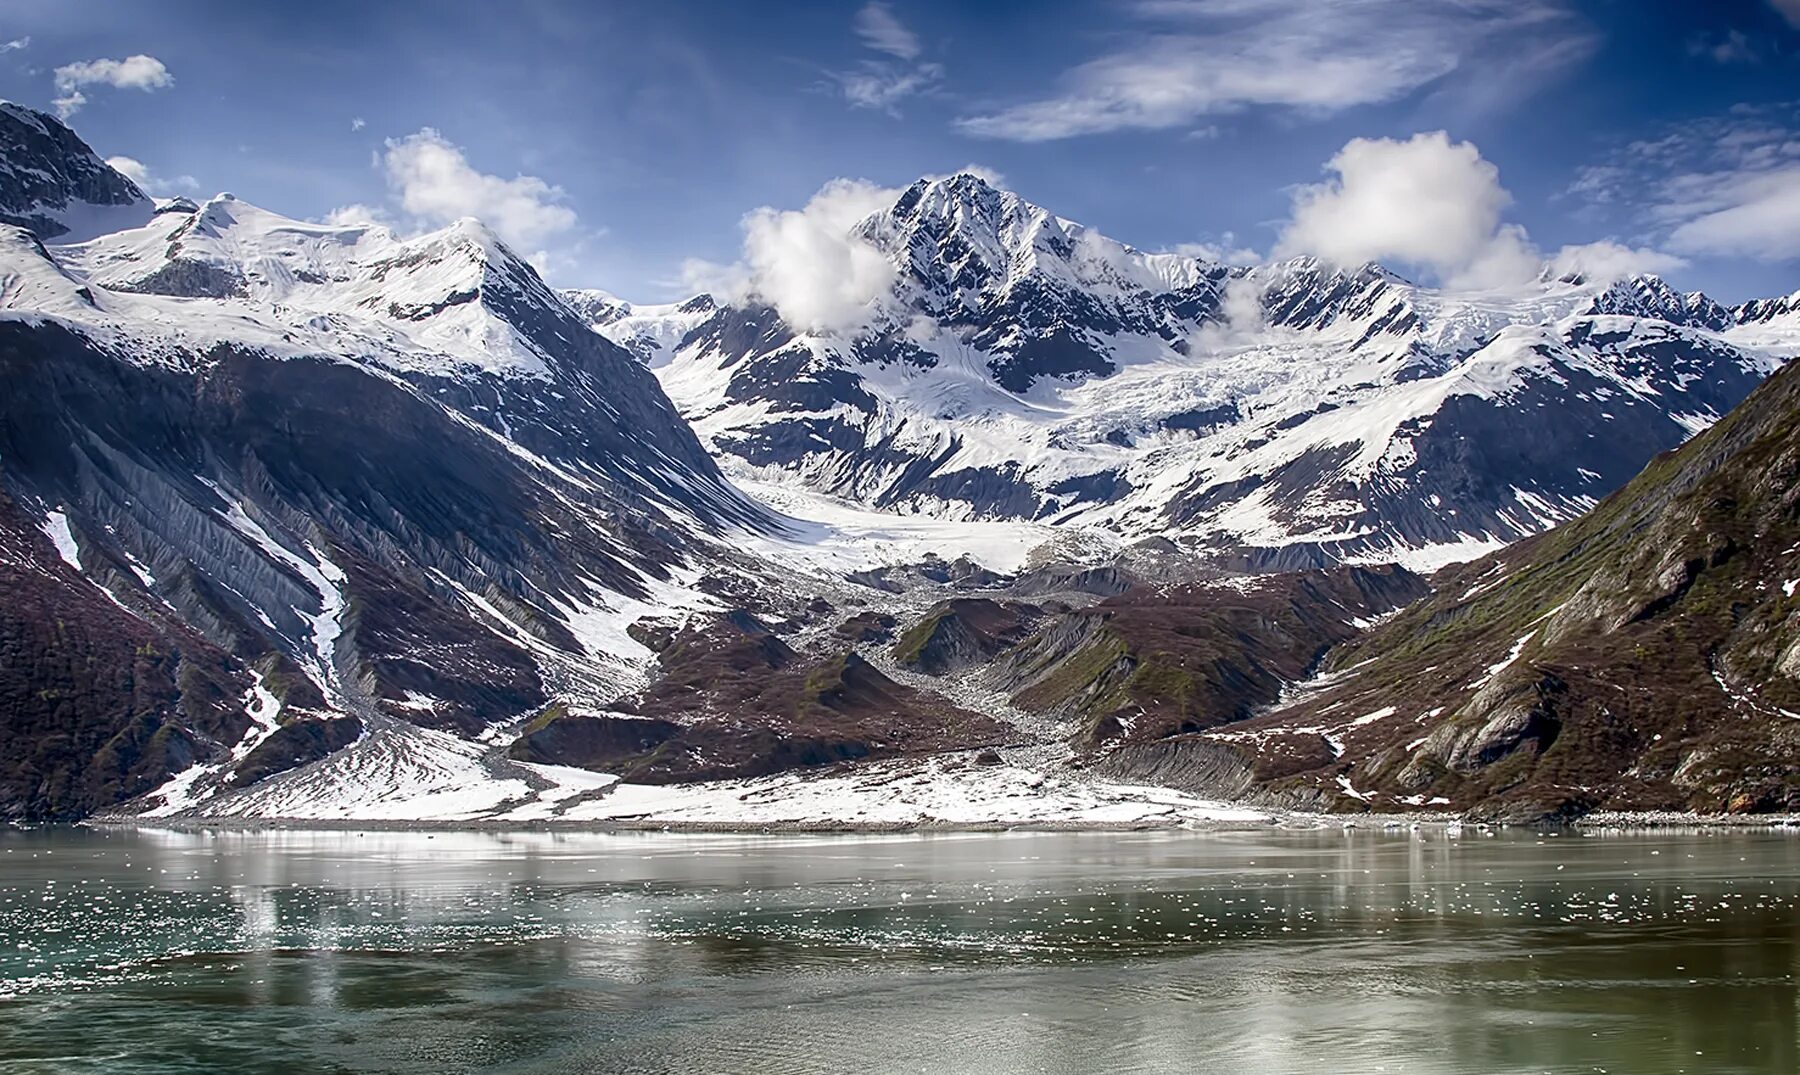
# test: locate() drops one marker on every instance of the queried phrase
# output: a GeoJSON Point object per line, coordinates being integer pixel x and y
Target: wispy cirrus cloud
{"type": "Point", "coordinates": [898, 73]}
{"type": "Point", "coordinates": [1719, 186]}
{"type": "Point", "coordinates": [880, 30]}
{"type": "Point", "coordinates": [139, 72]}
{"type": "Point", "coordinates": [1196, 58]}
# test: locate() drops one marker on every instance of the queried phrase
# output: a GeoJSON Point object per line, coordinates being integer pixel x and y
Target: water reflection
{"type": "Point", "coordinates": [1317, 951]}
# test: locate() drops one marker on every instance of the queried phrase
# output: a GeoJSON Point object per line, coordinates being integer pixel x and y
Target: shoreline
{"type": "Point", "coordinates": [1599, 823]}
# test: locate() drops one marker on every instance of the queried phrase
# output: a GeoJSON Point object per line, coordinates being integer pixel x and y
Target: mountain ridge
{"type": "Point", "coordinates": [382, 525]}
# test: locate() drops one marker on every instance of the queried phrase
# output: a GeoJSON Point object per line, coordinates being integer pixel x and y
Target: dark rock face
{"type": "Point", "coordinates": [1645, 656]}
{"type": "Point", "coordinates": [48, 176]}
{"type": "Point", "coordinates": [359, 543]}
{"type": "Point", "coordinates": [293, 745]}
{"type": "Point", "coordinates": [867, 627]}
{"type": "Point", "coordinates": [736, 701]}
{"type": "Point", "coordinates": [97, 703]}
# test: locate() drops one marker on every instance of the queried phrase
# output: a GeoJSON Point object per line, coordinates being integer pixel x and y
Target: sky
{"type": "Point", "coordinates": [639, 146]}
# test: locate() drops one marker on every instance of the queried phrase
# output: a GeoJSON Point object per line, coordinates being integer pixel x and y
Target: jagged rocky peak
{"type": "Point", "coordinates": [1762, 311]}
{"type": "Point", "coordinates": [54, 185]}
{"type": "Point", "coordinates": [1650, 296]}
{"type": "Point", "coordinates": [962, 234]}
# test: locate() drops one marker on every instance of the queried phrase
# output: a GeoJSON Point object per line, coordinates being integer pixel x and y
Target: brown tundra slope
{"type": "Point", "coordinates": [1643, 657]}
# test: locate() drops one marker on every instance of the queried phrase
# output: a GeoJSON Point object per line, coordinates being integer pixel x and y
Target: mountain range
{"type": "Point", "coordinates": [314, 520]}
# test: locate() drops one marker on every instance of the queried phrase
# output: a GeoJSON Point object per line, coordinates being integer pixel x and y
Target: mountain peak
{"type": "Point", "coordinates": [55, 185]}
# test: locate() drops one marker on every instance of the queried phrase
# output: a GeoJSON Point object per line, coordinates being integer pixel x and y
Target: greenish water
{"type": "Point", "coordinates": [1319, 951]}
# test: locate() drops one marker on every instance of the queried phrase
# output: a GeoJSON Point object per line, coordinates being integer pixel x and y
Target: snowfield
{"type": "Point", "coordinates": [402, 774]}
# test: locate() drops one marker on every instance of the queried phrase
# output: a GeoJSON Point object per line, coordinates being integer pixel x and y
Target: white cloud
{"type": "Point", "coordinates": [882, 84]}
{"type": "Point", "coordinates": [1319, 56]}
{"type": "Point", "coordinates": [435, 183]}
{"type": "Point", "coordinates": [1734, 46]}
{"type": "Point", "coordinates": [132, 73]}
{"type": "Point", "coordinates": [138, 172]}
{"type": "Point", "coordinates": [1425, 201]}
{"type": "Point", "coordinates": [15, 44]}
{"type": "Point", "coordinates": [1790, 10]}
{"type": "Point", "coordinates": [1240, 318]}
{"type": "Point", "coordinates": [1720, 186]}
{"type": "Point", "coordinates": [880, 30]}
{"type": "Point", "coordinates": [1608, 260]}
{"type": "Point", "coordinates": [805, 262]}
{"type": "Point", "coordinates": [1436, 204]}
{"type": "Point", "coordinates": [1750, 213]}
{"type": "Point", "coordinates": [357, 213]}
{"type": "Point", "coordinates": [357, 123]}
{"type": "Point", "coordinates": [131, 168]}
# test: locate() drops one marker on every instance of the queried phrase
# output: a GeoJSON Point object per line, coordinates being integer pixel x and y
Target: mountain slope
{"type": "Point", "coordinates": [54, 186]}
{"type": "Point", "coordinates": [382, 479]}
{"type": "Point", "coordinates": [1023, 366]}
{"type": "Point", "coordinates": [1645, 656]}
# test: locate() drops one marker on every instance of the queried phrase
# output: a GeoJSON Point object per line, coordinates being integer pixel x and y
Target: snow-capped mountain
{"type": "Point", "coordinates": [1024, 366]}
{"type": "Point", "coordinates": [55, 187]}
{"type": "Point", "coordinates": [316, 520]}
{"type": "Point", "coordinates": [650, 331]}
{"type": "Point", "coordinates": [373, 484]}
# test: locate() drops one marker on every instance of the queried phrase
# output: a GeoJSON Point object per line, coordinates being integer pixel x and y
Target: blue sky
{"type": "Point", "coordinates": [619, 141]}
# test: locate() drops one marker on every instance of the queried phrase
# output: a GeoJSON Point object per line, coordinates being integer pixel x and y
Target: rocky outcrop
{"type": "Point", "coordinates": [962, 633]}
{"type": "Point", "coordinates": [734, 700]}
{"type": "Point", "coordinates": [1157, 662]}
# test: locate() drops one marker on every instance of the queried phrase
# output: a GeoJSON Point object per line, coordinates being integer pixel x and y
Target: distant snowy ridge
{"type": "Point", "coordinates": [1024, 366]}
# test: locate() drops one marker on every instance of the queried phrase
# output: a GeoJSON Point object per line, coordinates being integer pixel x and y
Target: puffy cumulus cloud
{"type": "Point", "coordinates": [435, 183]}
{"type": "Point", "coordinates": [138, 172]}
{"type": "Point", "coordinates": [1437, 205]}
{"type": "Point", "coordinates": [806, 262]}
{"type": "Point", "coordinates": [132, 73]}
{"type": "Point", "coordinates": [1425, 201]}
{"type": "Point", "coordinates": [1205, 57]}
